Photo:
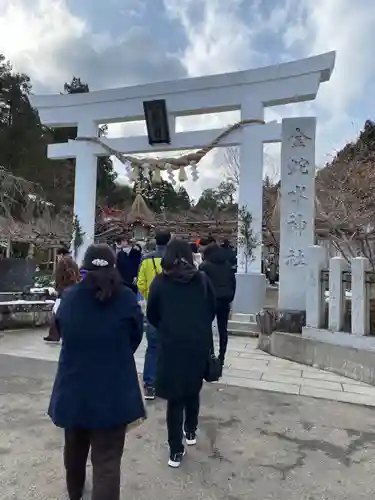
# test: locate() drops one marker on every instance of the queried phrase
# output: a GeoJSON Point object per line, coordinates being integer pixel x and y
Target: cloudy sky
{"type": "Point", "coordinates": [125, 42]}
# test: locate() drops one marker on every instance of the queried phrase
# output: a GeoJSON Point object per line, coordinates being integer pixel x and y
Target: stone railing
{"type": "Point", "coordinates": [22, 313]}
{"type": "Point", "coordinates": [339, 293]}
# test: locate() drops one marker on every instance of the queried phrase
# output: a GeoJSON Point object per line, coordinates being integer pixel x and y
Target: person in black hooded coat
{"type": "Point", "coordinates": [181, 306]}
{"type": "Point", "coordinates": [221, 274]}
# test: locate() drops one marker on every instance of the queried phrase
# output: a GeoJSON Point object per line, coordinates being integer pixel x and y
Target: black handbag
{"type": "Point", "coordinates": [214, 368]}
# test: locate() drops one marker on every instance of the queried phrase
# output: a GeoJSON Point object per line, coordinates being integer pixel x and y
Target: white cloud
{"type": "Point", "coordinates": [214, 35]}
{"type": "Point", "coordinates": [346, 27]}
{"type": "Point", "coordinates": [220, 41]}
{"type": "Point", "coordinates": [31, 35]}
{"type": "Point", "coordinates": [46, 40]}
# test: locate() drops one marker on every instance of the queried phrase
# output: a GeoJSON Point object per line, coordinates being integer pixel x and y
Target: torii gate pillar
{"type": "Point", "coordinates": [251, 283]}
{"type": "Point", "coordinates": [85, 187]}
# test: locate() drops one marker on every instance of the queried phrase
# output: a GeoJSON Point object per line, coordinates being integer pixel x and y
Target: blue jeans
{"type": "Point", "coordinates": [149, 370]}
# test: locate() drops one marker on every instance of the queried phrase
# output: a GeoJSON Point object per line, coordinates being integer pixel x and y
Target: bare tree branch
{"type": "Point", "coordinates": [346, 194]}
{"type": "Point", "coordinates": [12, 189]}
{"type": "Point", "coordinates": [231, 166]}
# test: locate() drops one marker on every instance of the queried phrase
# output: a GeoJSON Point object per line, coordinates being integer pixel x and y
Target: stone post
{"type": "Point", "coordinates": [8, 252]}
{"type": "Point", "coordinates": [336, 304]}
{"type": "Point", "coordinates": [317, 261]}
{"type": "Point", "coordinates": [297, 209]}
{"type": "Point", "coordinates": [31, 251]}
{"type": "Point", "coordinates": [360, 296]}
{"type": "Point", "coordinates": [85, 187]}
{"type": "Point", "coordinates": [54, 257]}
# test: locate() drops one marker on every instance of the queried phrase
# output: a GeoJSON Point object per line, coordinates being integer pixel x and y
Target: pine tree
{"type": "Point", "coordinates": [23, 139]}
{"type": "Point", "coordinates": [106, 174]}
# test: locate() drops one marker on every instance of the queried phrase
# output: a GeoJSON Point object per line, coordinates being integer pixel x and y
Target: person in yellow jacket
{"type": "Point", "coordinates": [149, 268]}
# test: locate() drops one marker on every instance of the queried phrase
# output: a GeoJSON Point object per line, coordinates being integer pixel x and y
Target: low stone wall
{"type": "Point", "coordinates": [357, 364]}
{"type": "Point", "coordinates": [284, 320]}
{"type": "Point", "coordinates": [42, 295]}
{"type": "Point", "coordinates": [23, 316]}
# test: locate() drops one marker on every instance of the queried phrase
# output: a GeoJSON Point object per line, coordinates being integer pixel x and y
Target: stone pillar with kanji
{"type": "Point", "coordinates": [297, 209]}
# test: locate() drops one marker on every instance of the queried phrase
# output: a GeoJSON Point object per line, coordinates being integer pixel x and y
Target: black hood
{"type": "Point", "coordinates": [183, 273]}
{"type": "Point", "coordinates": [215, 254]}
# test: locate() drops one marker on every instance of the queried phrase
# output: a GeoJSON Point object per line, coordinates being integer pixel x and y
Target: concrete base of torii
{"type": "Point", "coordinates": [250, 293]}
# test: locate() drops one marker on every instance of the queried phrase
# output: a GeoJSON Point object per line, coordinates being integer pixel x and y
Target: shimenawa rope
{"type": "Point", "coordinates": [172, 163]}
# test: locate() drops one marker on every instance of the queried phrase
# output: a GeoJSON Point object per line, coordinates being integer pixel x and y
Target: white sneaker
{"type": "Point", "coordinates": [190, 438]}
{"type": "Point", "coordinates": [175, 459]}
{"type": "Point", "coordinates": [51, 342]}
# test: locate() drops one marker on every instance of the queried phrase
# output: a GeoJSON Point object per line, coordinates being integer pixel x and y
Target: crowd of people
{"type": "Point", "coordinates": [97, 395]}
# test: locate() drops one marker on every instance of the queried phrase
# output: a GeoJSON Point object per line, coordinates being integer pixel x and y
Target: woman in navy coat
{"type": "Point", "coordinates": [96, 393]}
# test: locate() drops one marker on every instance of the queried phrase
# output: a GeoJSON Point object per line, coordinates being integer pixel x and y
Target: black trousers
{"type": "Point", "coordinates": [222, 317]}
{"type": "Point", "coordinates": [182, 414]}
{"type": "Point", "coordinates": [107, 447]}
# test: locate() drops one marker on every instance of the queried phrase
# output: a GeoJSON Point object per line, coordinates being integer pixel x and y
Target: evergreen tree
{"type": "Point", "coordinates": [207, 200]}
{"type": "Point", "coordinates": [23, 139]}
{"type": "Point", "coordinates": [122, 196]}
{"type": "Point", "coordinates": [106, 174]}
{"type": "Point", "coordinates": [76, 86]}
{"type": "Point", "coordinates": [183, 199]}
{"type": "Point", "coordinates": [163, 197]}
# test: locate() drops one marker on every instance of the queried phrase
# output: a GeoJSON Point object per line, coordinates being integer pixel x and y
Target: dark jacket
{"type": "Point", "coordinates": [220, 272]}
{"type": "Point", "coordinates": [128, 265]}
{"type": "Point", "coordinates": [182, 312]}
{"type": "Point", "coordinates": [230, 256]}
{"type": "Point", "coordinates": [96, 385]}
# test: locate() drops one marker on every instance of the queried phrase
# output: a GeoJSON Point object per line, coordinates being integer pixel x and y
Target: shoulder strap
{"type": "Point", "coordinates": [205, 288]}
{"type": "Point", "coordinates": [155, 268]}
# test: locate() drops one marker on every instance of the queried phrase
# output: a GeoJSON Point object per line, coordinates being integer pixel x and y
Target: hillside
{"type": "Point", "coordinates": [345, 187]}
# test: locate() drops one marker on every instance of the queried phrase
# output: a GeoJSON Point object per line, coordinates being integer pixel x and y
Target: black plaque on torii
{"type": "Point", "coordinates": [156, 117]}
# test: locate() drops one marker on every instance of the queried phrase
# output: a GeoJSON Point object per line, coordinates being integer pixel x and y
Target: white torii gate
{"type": "Point", "coordinates": [248, 91]}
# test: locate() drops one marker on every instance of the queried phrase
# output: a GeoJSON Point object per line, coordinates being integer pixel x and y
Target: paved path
{"type": "Point", "coordinates": [252, 444]}
{"type": "Point", "coordinates": [246, 366]}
